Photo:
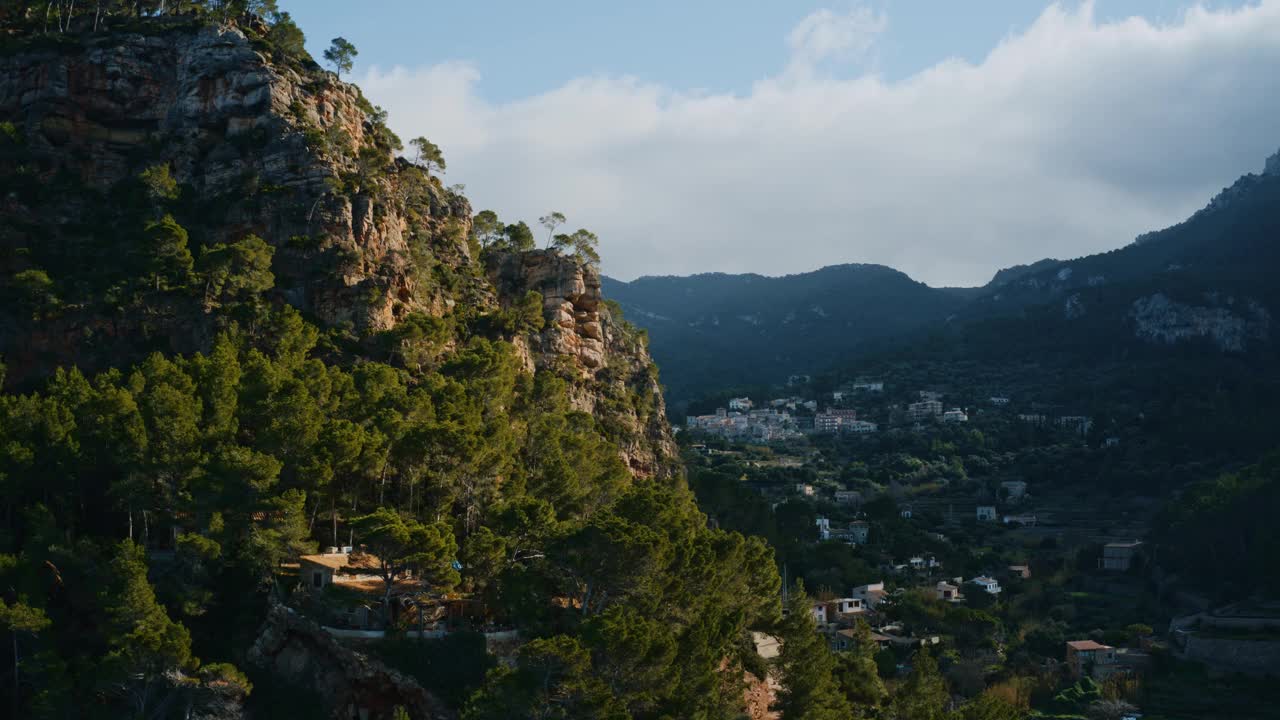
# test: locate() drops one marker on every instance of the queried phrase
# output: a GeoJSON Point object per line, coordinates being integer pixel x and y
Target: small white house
{"type": "Point", "coordinates": [871, 595]}
{"type": "Point", "coordinates": [824, 528]}
{"type": "Point", "coordinates": [990, 585]}
{"type": "Point", "coordinates": [850, 606]}
{"type": "Point", "coordinates": [955, 415]}
{"type": "Point", "coordinates": [741, 404]}
{"type": "Point", "coordinates": [986, 513]}
{"type": "Point", "coordinates": [947, 592]}
{"type": "Point", "coordinates": [999, 401]}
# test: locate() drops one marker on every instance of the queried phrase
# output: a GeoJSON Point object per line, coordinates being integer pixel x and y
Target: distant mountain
{"type": "Point", "coordinates": [1208, 282]}
{"type": "Point", "coordinates": [715, 331]}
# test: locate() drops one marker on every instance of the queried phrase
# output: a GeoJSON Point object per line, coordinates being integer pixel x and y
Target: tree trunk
{"type": "Point", "coordinates": [334, 514]}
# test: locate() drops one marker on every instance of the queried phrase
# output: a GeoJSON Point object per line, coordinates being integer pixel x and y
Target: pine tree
{"type": "Point", "coordinates": [806, 665]}
{"type": "Point", "coordinates": [924, 695]}
{"type": "Point", "coordinates": [858, 674]}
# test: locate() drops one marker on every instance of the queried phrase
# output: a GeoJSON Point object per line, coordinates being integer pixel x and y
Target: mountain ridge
{"type": "Point", "coordinates": [1215, 249]}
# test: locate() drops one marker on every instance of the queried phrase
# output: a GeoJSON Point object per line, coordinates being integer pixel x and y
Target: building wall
{"type": "Point", "coordinates": [1252, 657]}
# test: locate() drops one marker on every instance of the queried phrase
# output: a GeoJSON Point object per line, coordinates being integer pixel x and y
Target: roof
{"type": "Point", "coordinates": [875, 636]}
{"type": "Point", "coordinates": [1087, 645]}
{"type": "Point", "coordinates": [1130, 544]}
{"type": "Point", "coordinates": [358, 561]}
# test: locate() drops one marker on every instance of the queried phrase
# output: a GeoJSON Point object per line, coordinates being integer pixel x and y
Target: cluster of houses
{"type": "Point", "coordinates": [784, 419]}
{"type": "Point", "coordinates": [835, 617]}
{"type": "Point", "coordinates": [763, 425]}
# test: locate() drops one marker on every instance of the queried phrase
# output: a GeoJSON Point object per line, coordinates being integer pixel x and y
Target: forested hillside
{"type": "Point", "coordinates": [239, 326]}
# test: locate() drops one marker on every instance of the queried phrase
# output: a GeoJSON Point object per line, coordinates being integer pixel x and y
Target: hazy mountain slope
{"type": "Point", "coordinates": [718, 330]}
{"type": "Point", "coordinates": [1207, 280]}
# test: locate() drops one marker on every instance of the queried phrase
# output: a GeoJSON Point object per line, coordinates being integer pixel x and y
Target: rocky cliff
{"type": "Point", "coordinates": [277, 149]}
{"type": "Point", "coordinates": [350, 682]}
{"type": "Point", "coordinates": [609, 359]}
{"type": "Point", "coordinates": [260, 142]}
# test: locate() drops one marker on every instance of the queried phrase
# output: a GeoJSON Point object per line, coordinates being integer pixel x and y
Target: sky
{"type": "Point", "coordinates": [944, 139]}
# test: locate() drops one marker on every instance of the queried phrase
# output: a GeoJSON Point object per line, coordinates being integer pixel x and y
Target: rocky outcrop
{"type": "Point", "coordinates": [1229, 324]}
{"type": "Point", "coordinates": [1272, 165]}
{"type": "Point", "coordinates": [571, 302]}
{"type": "Point", "coordinates": [614, 377]}
{"type": "Point", "coordinates": [351, 683]}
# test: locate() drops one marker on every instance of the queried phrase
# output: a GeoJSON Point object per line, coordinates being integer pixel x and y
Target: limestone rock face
{"type": "Point", "coordinates": [1230, 324]}
{"type": "Point", "coordinates": [270, 148]}
{"type": "Point", "coordinates": [277, 147]}
{"type": "Point", "coordinates": [614, 375]}
{"type": "Point", "coordinates": [351, 683]}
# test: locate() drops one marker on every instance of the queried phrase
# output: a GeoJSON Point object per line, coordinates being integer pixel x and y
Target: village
{"type": "Point", "coordinates": [920, 523]}
{"type": "Point", "coordinates": [794, 417]}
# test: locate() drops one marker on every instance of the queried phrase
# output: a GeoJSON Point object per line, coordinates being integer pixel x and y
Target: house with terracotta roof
{"type": "Point", "coordinates": [1086, 657]}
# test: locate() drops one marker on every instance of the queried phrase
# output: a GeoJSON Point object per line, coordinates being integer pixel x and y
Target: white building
{"type": "Point", "coordinates": [986, 512]}
{"type": "Point", "coordinates": [924, 409]}
{"type": "Point", "coordinates": [850, 606]}
{"type": "Point", "coordinates": [859, 427]}
{"type": "Point", "coordinates": [990, 585]}
{"type": "Point", "coordinates": [826, 423]}
{"type": "Point", "coordinates": [955, 415]}
{"type": "Point", "coordinates": [869, 386]}
{"type": "Point", "coordinates": [824, 528]}
{"type": "Point", "coordinates": [999, 401]}
{"type": "Point", "coordinates": [741, 404]}
{"type": "Point", "coordinates": [871, 595]}
{"type": "Point", "coordinates": [947, 592]}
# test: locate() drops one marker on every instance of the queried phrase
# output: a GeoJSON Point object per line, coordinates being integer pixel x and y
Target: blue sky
{"type": "Point", "coordinates": [523, 47]}
{"type": "Point", "coordinates": [945, 139]}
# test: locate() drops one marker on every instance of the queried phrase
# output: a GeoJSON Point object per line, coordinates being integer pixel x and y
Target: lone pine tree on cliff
{"type": "Point", "coordinates": [341, 54]}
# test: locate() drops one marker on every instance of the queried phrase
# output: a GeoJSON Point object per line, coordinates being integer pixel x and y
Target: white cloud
{"type": "Point", "coordinates": [1068, 138]}
{"type": "Point", "coordinates": [829, 35]}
